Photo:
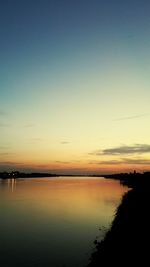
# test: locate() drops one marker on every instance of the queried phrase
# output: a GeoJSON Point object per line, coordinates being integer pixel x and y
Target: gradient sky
{"type": "Point", "coordinates": [74, 85]}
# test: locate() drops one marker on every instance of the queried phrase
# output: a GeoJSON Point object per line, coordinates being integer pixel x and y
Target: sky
{"type": "Point", "coordinates": [74, 86]}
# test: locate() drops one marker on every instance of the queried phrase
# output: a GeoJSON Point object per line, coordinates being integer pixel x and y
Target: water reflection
{"type": "Point", "coordinates": [12, 184]}
{"type": "Point", "coordinates": [8, 185]}
{"type": "Point", "coordinates": [54, 220]}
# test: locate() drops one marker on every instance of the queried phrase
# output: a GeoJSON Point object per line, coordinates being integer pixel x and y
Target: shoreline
{"type": "Point", "coordinates": [127, 179]}
{"type": "Point", "coordinates": [17, 175]}
{"type": "Point", "coordinates": [127, 240]}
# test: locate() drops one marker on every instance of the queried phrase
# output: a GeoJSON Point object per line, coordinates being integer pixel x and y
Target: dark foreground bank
{"type": "Point", "coordinates": [128, 241]}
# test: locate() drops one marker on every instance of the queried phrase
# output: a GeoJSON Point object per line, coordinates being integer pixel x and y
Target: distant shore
{"type": "Point", "coordinates": [129, 179]}
{"type": "Point", "coordinates": [16, 174]}
{"type": "Point", "coordinates": [127, 241]}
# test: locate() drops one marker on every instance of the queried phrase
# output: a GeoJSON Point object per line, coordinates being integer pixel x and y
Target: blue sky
{"type": "Point", "coordinates": [74, 78]}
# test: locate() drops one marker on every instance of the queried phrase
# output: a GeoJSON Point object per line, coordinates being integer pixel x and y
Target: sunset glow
{"type": "Point", "coordinates": [74, 83]}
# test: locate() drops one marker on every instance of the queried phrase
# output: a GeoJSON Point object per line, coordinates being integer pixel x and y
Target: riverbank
{"type": "Point", "coordinates": [16, 174]}
{"type": "Point", "coordinates": [127, 242]}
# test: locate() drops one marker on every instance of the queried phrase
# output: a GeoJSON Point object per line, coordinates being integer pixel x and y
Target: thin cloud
{"type": "Point", "coordinates": [132, 117]}
{"type": "Point", "coordinates": [65, 142]}
{"type": "Point", "coordinates": [105, 162]}
{"type": "Point", "coordinates": [62, 162]}
{"type": "Point", "coordinates": [134, 149]}
{"type": "Point", "coordinates": [135, 161]}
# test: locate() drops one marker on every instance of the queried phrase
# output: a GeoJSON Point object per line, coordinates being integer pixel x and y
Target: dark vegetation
{"type": "Point", "coordinates": [127, 243]}
{"type": "Point", "coordinates": [16, 174]}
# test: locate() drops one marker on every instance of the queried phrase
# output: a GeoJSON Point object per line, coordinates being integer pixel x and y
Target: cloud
{"type": "Point", "coordinates": [135, 161]}
{"type": "Point", "coordinates": [132, 117]}
{"type": "Point", "coordinates": [62, 162]}
{"type": "Point", "coordinates": [134, 149]}
{"type": "Point", "coordinates": [65, 142]}
{"type": "Point", "coordinates": [105, 162]}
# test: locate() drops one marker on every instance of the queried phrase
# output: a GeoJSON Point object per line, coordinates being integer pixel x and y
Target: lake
{"type": "Point", "coordinates": [53, 222]}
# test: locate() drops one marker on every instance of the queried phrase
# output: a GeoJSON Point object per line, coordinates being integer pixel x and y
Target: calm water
{"type": "Point", "coordinates": [52, 222]}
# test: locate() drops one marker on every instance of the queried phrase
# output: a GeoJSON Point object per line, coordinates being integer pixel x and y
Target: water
{"type": "Point", "coordinates": [52, 222]}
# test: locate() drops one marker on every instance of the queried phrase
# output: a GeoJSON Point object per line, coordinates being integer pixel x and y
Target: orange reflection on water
{"type": "Point", "coordinates": [56, 218]}
{"type": "Point", "coordinates": [71, 197]}
{"type": "Point", "coordinates": [12, 184]}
